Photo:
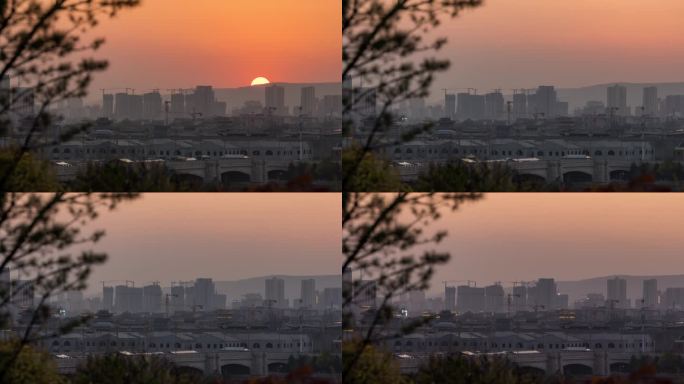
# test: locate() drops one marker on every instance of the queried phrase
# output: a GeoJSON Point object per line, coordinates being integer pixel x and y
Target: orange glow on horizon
{"type": "Point", "coordinates": [167, 43]}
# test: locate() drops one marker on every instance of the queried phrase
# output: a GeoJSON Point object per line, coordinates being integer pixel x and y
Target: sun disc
{"type": "Point", "coordinates": [260, 81]}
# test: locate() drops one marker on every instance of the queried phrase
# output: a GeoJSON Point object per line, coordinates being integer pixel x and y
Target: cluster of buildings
{"type": "Point", "coordinates": [200, 295]}
{"type": "Point", "coordinates": [150, 106]}
{"type": "Point", "coordinates": [309, 298]}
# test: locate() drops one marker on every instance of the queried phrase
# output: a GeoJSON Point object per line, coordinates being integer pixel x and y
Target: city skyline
{"type": "Point", "coordinates": [594, 235]}
{"type": "Point", "coordinates": [226, 44]}
{"type": "Point", "coordinates": [511, 45]}
{"type": "Point", "coordinates": [201, 232]}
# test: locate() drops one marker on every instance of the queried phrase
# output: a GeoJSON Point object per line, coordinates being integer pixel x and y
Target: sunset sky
{"type": "Point", "coordinates": [523, 43]}
{"type": "Point", "coordinates": [179, 43]}
{"type": "Point", "coordinates": [512, 237]}
{"type": "Point", "coordinates": [226, 236]}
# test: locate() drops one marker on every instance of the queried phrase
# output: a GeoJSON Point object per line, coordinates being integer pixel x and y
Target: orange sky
{"type": "Point", "coordinates": [167, 237]}
{"type": "Point", "coordinates": [524, 236]}
{"type": "Point", "coordinates": [523, 43]}
{"type": "Point", "coordinates": [225, 43]}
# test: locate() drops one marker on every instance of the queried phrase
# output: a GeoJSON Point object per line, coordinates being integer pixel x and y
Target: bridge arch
{"type": "Point", "coordinates": [577, 369]}
{"type": "Point", "coordinates": [277, 175]}
{"type": "Point", "coordinates": [188, 179]}
{"type": "Point", "coordinates": [529, 179]}
{"type": "Point", "coordinates": [572, 177]}
{"type": "Point", "coordinates": [235, 370]}
{"type": "Point", "coordinates": [278, 367]}
{"type": "Point", "coordinates": [187, 370]}
{"type": "Point", "coordinates": [531, 371]}
{"type": "Point", "coordinates": [620, 367]}
{"type": "Point", "coordinates": [235, 177]}
{"type": "Point", "coordinates": [619, 175]}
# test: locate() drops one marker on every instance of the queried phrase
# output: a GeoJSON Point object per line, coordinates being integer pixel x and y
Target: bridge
{"type": "Point", "coordinates": [239, 170]}
{"type": "Point", "coordinates": [569, 362]}
{"type": "Point", "coordinates": [230, 364]}
{"type": "Point", "coordinates": [569, 171]}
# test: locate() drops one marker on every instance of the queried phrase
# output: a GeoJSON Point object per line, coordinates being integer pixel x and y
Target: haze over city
{"type": "Point", "coordinates": [521, 44]}
{"type": "Point", "coordinates": [513, 237]}
{"type": "Point", "coordinates": [169, 237]}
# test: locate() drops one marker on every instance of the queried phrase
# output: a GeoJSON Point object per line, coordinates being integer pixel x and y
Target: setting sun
{"type": "Point", "coordinates": [260, 81]}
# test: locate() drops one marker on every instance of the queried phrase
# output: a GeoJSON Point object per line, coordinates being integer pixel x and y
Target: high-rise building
{"type": "Point", "coordinates": [152, 106]}
{"type": "Point", "coordinates": [330, 105]}
{"type": "Point", "coordinates": [177, 107]}
{"type": "Point", "coordinates": [673, 298]}
{"type": "Point", "coordinates": [470, 299]}
{"type": "Point", "coordinates": [520, 105]}
{"type": "Point", "coordinates": [121, 299]}
{"type": "Point", "coordinates": [204, 294]}
{"type": "Point", "coordinates": [275, 99]}
{"type": "Point", "coordinates": [519, 298]}
{"type": "Point", "coordinates": [650, 298]}
{"type": "Point", "coordinates": [332, 298]}
{"type": "Point", "coordinates": [470, 106]}
{"type": "Point", "coordinates": [545, 101]}
{"type": "Point", "coordinates": [494, 298]}
{"type": "Point", "coordinates": [152, 298]}
{"type": "Point", "coordinates": [135, 107]}
{"type": "Point", "coordinates": [275, 292]}
{"type": "Point", "coordinates": [616, 96]}
{"type": "Point", "coordinates": [108, 298]}
{"type": "Point", "coordinates": [617, 292]}
{"type": "Point", "coordinates": [494, 105]}
{"type": "Point", "coordinates": [108, 105]}
{"type": "Point", "coordinates": [308, 101]}
{"type": "Point", "coordinates": [308, 293]}
{"type": "Point", "coordinates": [545, 293]}
{"type": "Point", "coordinates": [450, 105]}
{"type": "Point", "coordinates": [177, 299]}
{"type": "Point", "coordinates": [650, 101]}
{"type": "Point", "coordinates": [121, 106]}
{"type": "Point", "coordinates": [450, 298]}
{"type": "Point", "coordinates": [203, 100]}
{"type": "Point", "coordinates": [135, 299]}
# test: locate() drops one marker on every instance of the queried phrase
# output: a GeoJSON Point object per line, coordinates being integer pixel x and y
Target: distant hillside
{"type": "Point", "coordinates": [236, 97]}
{"type": "Point", "coordinates": [235, 289]}
{"type": "Point", "coordinates": [577, 97]}
{"type": "Point", "coordinates": [579, 288]}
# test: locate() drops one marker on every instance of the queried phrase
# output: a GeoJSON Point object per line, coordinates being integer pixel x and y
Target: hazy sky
{"type": "Point", "coordinates": [510, 237]}
{"type": "Point", "coordinates": [225, 43]}
{"type": "Point", "coordinates": [523, 43]}
{"type": "Point", "coordinates": [225, 236]}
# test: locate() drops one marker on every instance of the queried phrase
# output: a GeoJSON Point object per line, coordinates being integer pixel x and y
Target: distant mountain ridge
{"type": "Point", "coordinates": [237, 288]}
